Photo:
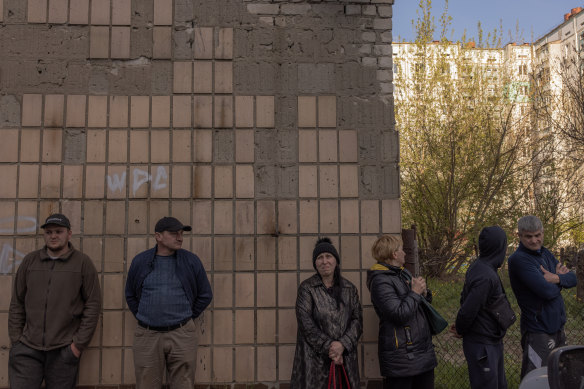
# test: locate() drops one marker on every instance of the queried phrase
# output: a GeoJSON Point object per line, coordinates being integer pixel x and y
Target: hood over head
{"type": "Point", "coordinates": [493, 245]}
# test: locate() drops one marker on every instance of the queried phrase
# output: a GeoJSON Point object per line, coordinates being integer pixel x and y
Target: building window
{"type": "Point", "coordinates": [523, 70]}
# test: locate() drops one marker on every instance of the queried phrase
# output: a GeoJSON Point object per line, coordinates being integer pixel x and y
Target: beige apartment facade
{"type": "Point", "coordinates": [264, 124]}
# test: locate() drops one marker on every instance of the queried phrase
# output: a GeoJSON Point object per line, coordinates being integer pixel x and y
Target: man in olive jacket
{"type": "Point", "coordinates": [55, 306]}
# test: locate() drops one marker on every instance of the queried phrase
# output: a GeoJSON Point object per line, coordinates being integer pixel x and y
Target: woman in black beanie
{"type": "Point", "coordinates": [330, 322]}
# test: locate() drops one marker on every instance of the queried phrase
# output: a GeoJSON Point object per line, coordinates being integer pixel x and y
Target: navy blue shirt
{"type": "Point", "coordinates": [164, 301]}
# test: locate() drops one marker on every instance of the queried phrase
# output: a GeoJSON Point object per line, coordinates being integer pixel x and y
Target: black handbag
{"type": "Point", "coordinates": [435, 320]}
{"type": "Point", "coordinates": [500, 309]}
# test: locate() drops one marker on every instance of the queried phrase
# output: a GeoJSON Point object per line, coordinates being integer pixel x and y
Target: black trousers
{"type": "Point", "coordinates": [28, 367]}
{"type": "Point", "coordinates": [420, 381]}
{"type": "Point", "coordinates": [486, 368]}
{"type": "Point", "coordinates": [537, 347]}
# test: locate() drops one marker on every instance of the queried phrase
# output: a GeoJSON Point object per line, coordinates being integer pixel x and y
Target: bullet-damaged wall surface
{"type": "Point", "coordinates": [264, 124]}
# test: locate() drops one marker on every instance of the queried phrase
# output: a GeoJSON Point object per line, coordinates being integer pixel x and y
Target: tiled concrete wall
{"type": "Point", "coordinates": [264, 124]}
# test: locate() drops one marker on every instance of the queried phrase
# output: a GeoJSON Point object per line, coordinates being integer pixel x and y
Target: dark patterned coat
{"type": "Point", "coordinates": [319, 324]}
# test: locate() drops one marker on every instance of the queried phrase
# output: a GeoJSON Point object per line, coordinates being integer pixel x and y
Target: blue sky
{"type": "Point", "coordinates": [534, 17]}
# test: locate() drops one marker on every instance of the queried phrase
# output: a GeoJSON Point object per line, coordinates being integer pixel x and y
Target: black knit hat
{"type": "Point", "coordinates": [324, 245]}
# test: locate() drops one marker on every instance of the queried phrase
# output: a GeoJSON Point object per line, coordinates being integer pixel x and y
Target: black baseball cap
{"type": "Point", "coordinates": [169, 223]}
{"type": "Point", "coordinates": [57, 219]}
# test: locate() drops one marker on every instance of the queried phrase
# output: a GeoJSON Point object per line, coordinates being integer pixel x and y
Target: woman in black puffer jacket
{"type": "Point", "coordinates": [406, 353]}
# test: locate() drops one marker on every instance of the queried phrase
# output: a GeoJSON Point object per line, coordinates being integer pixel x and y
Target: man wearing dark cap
{"type": "Point", "coordinates": [55, 306]}
{"type": "Point", "coordinates": [166, 290]}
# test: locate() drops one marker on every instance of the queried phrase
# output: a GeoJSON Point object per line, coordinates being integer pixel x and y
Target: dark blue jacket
{"type": "Point", "coordinates": [541, 302]}
{"type": "Point", "coordinates": [190, 272]}
{"type": "Point", "coordinates": [482, 286]}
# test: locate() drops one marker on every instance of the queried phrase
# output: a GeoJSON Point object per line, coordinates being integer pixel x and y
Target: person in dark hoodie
{"type": "Point", "coordinates": [482, 336]}
{"type": "Point", "coordinates": [406, 353]}
{"type": "Point", "coordinates": [537, 279]}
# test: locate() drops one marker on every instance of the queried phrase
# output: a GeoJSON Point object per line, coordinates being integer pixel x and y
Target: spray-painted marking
{"type": "Point", "coordinates": [117, 183]}
{"type": "Point", "coordinates": [23, 224]}
{"type": "Point", "coordinates": [9, 258]}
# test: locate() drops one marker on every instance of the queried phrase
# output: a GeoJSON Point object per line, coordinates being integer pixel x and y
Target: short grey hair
{"type": "Point", "coordinates": [529, 223]}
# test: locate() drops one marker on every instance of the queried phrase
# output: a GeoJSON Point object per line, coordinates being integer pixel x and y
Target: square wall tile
{"type": "Point", "coordinates": [244, 364]}
{"type": "Point", "coordinates": [159, 186]}
{"type": "Point", "coordinates": [203, 372]}
{"type": "Point", "coordinates": [203, 76]}
{"type": "Point", "coordinates": [223, 217]}
{"type": "Point", "coordinates": [99, 42]}
{"type": "Point", "coordinates": [118, 111]}
{"type": "Point", "coordinates": [287, 253]}
{"type": "Point", "coordinates": [370, 216]}
{"type": "Point", "coordinates": [286, 361]}
{"type": "Point", "coordinates": [1, 10]}
{"type": "Point", "coordinates": [94, 188]}
{"type": "Point", "coordinates": [223, 187]}
{"type": "Point", "coordinates": [307, 146]}
{"type": "Point", "coordinates": [223, 111]}
{"type": "Point", "coordinates": [222, 357]}
{"type": "Point", "coordinates": [266, 325]}
{"type": "Point", "coordinates": [348, 146]}
{"type": "Point", "coordinates": [329, 216]}
{"type": "Point", "coordinates": [203, 111]}
{"type": "Point", "coordinates": [223, 254]}
{"type": "Point", "coordinates": [93, 210]}
{"type": "Point", "coordinates": [37, 11]}
{"type": "Point", "coordinates": [265, 112]}
{"type": "Point", "coordinates": [244, 290]}
{"type": "Point", "coordinates": [307, 181]}
{"type": "Point", "coordinates": [266, 253]}
{"type": "Point", "coordinates": [308, 216]}
{"type": "Point", "coordinates": [30, 145]}
{"type": "Point", "coordinates": [112, 328]}
{"type": "Point", "coordinates": [52, 145]}
{"type": "Point", "coordinates": [307, 111]}
{"type": "Point", "coordinates": [201, 217]}
{"type": "Point", "coordinates": [244, 217]}
{"type": "Point", "coordinates": [88, 374]}
{"type": "Point", "coordinates": [9, 146]}
{"type": "Point", "coordinates": [202, 182]}
{"type": "Point", "coordinates": [137, 213]}
{"type": "Point", "coordinates": [115, 217]}
{"type": "Point", "coordinates": [224, 48]}
{"type": "Point", "coordinates": [114, 255]}
{"type": "Point", "coordinates": [161, 111]}
{"type": "Point", "coordinates": [391, 216]}
{"type": "Point", "coordinates": [113, 291]}
{"type": "Point", "coordinates": [100, 12]}
{"type": "Point", "coordinates": [93, 247]}
{"type": "Point", "coordinates": [222, 327]}
{"type": "Point", "coordinates": [223, 77]}
{"type": "Point", "coordinates": [162, 12]}
{"type": "Point", "coordinates": [79, 12]}
{"type": "Point", "coordinates": [76, 110]}
{"type": "Point", "coordinates": [160, 146]}
{"type": "Point", "coordinates": [327, 146]}
{"type": "Point", "coordinates": [181, 111]}
{"type": "Point", "coordinates": [117, 179]}
{"type": "Point", "coordinates": [349, 177]}
{"type": "Point", "coordinates": [117, 146]}
{"type": "Point", "coordinates": [162, 42]}
{"type": "Point", "coordinates": [349, 216]}
{"type": "Point", "coordinates": [244, 329]}
{"type": "Point", "coordinates": [267, 363]}
{"type": "Point", "coordinates": [266, 282]}
{"type": "Point", "coordinates": [350, 252]}
{"type": "Point", "coordinates": [139, 111]}
{"type": "Point", "coordinates": [121, 12]}
{"type": "Point", "coordinates": [182, 77]}
{"type": "Point", "coordinates": [287, 326]}
{"type": "Point", "coordinates": [244, 146]}
{"type": "Point", "coordinates": [97, 111]}
{"type": "Point", "coordinates": [26, 214]}
{"type": "Point", "coordinates": [287, 289]}
{"type": "Point", "coordinates": [244, 111]}
{"type": "Point", "coordinates": [328, 181]}
{"type": "Point", "coordinates": [203, 146]}
{"type": "Point", "coordinates": [50, 181]}
{"type": "Point", "coordinates": [244, 181]}
{"type": "Point", "coordinates": [32, 106]}
{"type": "Point", "coordinates": [181, 146]}
{"type": "Point", "coordinates": [111, 365]}
{"type": "Point", "coordinates": [139, 146]}
{"type": "Point", "coordinates": [54, 106]}
{"type": "Point", "coordinates": [73, 181]}
{"type": "Point", "coordinates": [266, 217]}
{"type": "Point", "coordinates": [366, 256]}
{"type": "Point", "coordinates": [203, 45]}
{"type": "Point", "coordinates": [244, 254]}
{"type": "Point", "coordinates": [28, 181]}
{"type": "Point", "coordinates": [58, 11]}
{"type": "Point", "coordinates": [287, 217]}
{"type": "Point", "coordinates": [120, 42]}
{"type": "Point", "coordinates": [327, 111]}
{"type": "Point", "coordinates": [223, 290]}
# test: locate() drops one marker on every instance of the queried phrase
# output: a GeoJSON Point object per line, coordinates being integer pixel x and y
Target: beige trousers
{"type": "Point", "coordinates": [173, 352]}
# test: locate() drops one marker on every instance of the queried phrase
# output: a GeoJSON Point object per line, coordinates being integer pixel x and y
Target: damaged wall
{"type": "Point", "coordinates": [264, 124]}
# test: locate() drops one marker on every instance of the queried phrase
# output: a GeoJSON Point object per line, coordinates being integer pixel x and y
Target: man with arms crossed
{"type": "Point", "coordinates": [55, 306]}
{"type": "Point", "coordinates": [167, 288]}
{"type": "Point", "coordinates": [537, 279]}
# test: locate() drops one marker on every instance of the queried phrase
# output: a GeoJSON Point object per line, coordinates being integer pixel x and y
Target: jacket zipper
{"type": "Point", "coordinates": [47, 301]}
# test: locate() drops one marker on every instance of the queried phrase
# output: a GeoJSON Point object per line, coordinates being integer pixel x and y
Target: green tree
{"type": "Point", "coordinates": [465, 161]}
